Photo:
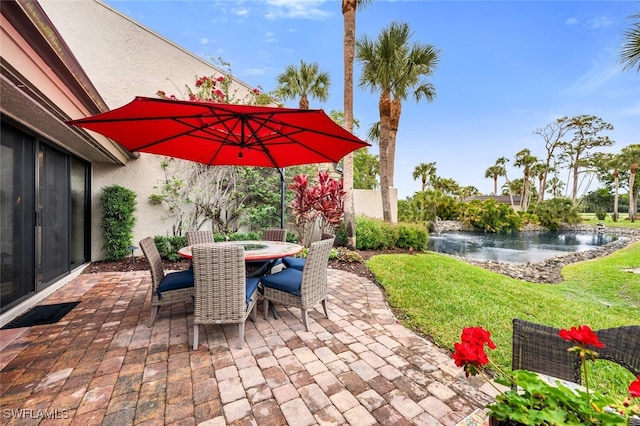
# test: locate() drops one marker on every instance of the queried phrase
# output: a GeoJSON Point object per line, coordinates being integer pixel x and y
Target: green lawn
{"type": "Point", "coordinates": [623, 220]}
{"type": "Point", "coordinates": [438, 296]}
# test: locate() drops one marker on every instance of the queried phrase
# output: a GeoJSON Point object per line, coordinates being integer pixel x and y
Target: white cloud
{"type": "Point", "coordinates": [270, 37]}
{"type": "Point", "coordinates": [205, 41]}
{"type": "Point", "coordinates": [571, 21]}
{"type": "Point", "coordinates": [241, 12]}
{"type": "Point", "coordinates": [304, 9]}
{"type": "Point", "coordinates": [598, 22]}
{"type": "Point", "coordinates": [594, 78]}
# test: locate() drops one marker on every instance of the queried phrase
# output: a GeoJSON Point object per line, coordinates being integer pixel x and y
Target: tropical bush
{"type": "Point", "coordinates": [118, 204]}
{"type": "Point", "coordinates": [490, 215]}
{"type": "Point", "coordinates": [552, 213]}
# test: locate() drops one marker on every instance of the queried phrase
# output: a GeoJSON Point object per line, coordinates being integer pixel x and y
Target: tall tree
{"type": "Point", "coordinates": [587, 129]}
{"type": "Point", "coordinates": [494, 172]}
{"type": "Point", "coordinates": [426, 172]}
{"type": "Point", "coordinates": [303, 83]}
{"type": "Point", "coordinates": [552, 135]}
{"type": "Point", "coordinates": [349, 8]}
{"type": "Point", "coordinates": [525, 160]}
{"type": "Point", "coordinates": [608, 166]}
{"type": "Point", "coordinates": [394, 68]}
{"type": "Point", "coordinates": [630, 156]}
{"type": "Point", "coordinates": [630, 54]}
{"type": "Point", "coordinates": [502, 162]}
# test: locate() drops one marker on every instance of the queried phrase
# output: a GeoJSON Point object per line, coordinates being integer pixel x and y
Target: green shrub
{"type": "Point", "coordinates": [238, 236]}
{"type": "Point", "coordinates": [118, 204]}
{"type": "Point", "coordinates": [168, 246]}
{"type": "Point", "coordinates": [412, 236]}
{"type": "Point", "coordinates": [374, 234]}
{"type": "Point", "coordinates": [601, 214]}
{"type": "Point", "coordinates": [491, 216]}
{"type": "Point", "coordinates": [552, 213]}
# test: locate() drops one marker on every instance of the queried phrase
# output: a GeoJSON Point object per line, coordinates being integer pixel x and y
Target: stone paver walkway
{"type": "Point", "coordinates": [102, 365]}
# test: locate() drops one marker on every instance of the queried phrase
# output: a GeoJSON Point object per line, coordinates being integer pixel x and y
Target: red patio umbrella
{"type": "Point", "coordinates": [225, 134]}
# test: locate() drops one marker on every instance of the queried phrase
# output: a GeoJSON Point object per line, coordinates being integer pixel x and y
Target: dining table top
{"type": "Point", "coordinates": [255, 249]}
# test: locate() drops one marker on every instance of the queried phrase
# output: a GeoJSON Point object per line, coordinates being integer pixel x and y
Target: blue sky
{"type": "Point", "coordinates": [506, 68]}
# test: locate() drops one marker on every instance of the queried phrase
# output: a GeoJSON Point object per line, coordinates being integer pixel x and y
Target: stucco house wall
{"type": "Point", "coordinates": [369, 203]}
{"type": "Point", "coordinates": [124, 59]}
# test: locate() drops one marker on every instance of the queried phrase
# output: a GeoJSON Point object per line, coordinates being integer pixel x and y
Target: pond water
{"type": "Point", "coordinates": [516, 247]}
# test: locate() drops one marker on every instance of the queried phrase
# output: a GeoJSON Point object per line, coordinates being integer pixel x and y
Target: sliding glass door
{"type": "Point", "coordinates": [17, 227]}
{"type": "Point", "coordinates": [45, 214]}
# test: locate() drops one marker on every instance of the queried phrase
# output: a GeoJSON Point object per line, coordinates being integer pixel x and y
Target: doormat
{"type": "Point", "coordinates": [42, 314]}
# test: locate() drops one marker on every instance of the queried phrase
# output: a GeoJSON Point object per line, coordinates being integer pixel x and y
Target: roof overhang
{"type": "Point", "coordinates": [42, 84]}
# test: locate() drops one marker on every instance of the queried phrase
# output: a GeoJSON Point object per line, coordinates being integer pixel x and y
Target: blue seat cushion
{"type": "Point", "coordinates": [294, 262]}
{"type": "Point", "coordinates": [287, 280]}
{"type": "Point", "coordinates": [175, 281]}
{"type": "Point", "coordinates": [252, 286]}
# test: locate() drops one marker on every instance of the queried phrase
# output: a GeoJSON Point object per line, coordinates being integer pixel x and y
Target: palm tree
{"type": "Point", "coordinates": [393, 68]}
{"type": "Point", "coordinates": [525, 160]}
{"type": "Point", "coordinates": [349, 8]}
{"type": "Point", "coordinates": [494, 172]}
{"type": "Point", "coordinates": [502, 162]}
{"type": "Point", "coordinates": [304, 82]}
{"type": "Point", "coordinates": [608, 168]}
{"type": "Point", "coordinates": [630, 155]}
{"type": "Point", "coordinates": [630, 55]}
{"type": "Point", "coordinates": [426, 172]}
{"type": "Point", "coordinates": [540, 171]}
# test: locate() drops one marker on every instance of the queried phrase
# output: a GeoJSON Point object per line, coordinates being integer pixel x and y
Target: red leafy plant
{"type": "Point", "coordinates": [322, 204]}
{"type": "Point", "coordinates": [530, 400]}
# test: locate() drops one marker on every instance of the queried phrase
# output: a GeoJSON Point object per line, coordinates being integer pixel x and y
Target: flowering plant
{"type": "Point", "coordinates": [530, 400]}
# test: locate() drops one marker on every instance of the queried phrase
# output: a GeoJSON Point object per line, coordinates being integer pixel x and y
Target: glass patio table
{"type": "Point", "coordinates": [256, 250]}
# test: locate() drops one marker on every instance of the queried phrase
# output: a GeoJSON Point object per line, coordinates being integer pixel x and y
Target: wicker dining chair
{"type": "Point", "coordinates": [199, 237]}
{"type": "Point", "coordinates": [539, 348]}
{"type": "Point", "coordinates": [298, 262]}
{"type": "Point", "coordinates": [273, 234]}
{"type": "Point", "coordinates": [167, 288]}
{"type": "Point", "coordinates": [622, 346]}
{"type": "Point", "coordinates": [223, 294]}
{"type": "Point", "coordinates": [302, 289]}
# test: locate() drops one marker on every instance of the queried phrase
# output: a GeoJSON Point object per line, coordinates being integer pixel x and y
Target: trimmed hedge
{"type": "Point", "coordinates": [375, 234]}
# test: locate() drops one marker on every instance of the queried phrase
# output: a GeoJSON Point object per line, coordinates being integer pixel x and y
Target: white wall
{"type": "Point", "coordinates": [369, 203]}
{"type": "Point", "coordinates": [123, 59]}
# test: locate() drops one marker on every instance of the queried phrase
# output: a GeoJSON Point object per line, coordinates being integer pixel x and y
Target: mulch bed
{"type": "Point", "coordinates": [141, 264]}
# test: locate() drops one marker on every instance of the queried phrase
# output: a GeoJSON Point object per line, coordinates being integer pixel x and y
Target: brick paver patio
{"type": "Point", "coordinates": [101, 364]}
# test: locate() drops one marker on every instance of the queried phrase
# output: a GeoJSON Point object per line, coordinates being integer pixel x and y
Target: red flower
{"type": "Point", "coordinates": [634, 388]}
{"type": "Point", "coordinates": [470, 353]}
{"type": "Point", "coordinates": [477, 335]}
{"type": "Point", "coordinates": [221, 78]}
{"type": "Point", "coordinates": [582, 335]}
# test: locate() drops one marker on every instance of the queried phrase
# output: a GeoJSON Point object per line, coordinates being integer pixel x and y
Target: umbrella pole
{"type": "Point", "coordinates": [281, 171]}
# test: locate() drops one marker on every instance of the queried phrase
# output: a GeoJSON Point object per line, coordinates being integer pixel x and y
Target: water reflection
{"type": "Point", "coordinates": [517, 247]}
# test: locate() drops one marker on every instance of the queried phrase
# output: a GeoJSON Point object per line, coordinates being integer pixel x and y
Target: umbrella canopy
{"type": "Point", "coordinates": [225, 134]}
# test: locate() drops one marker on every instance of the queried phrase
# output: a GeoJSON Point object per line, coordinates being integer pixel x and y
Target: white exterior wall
{"type": "Point", "coordinates": [368, 203]}
{"type": "Point", "coordinates": [124, 59]}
